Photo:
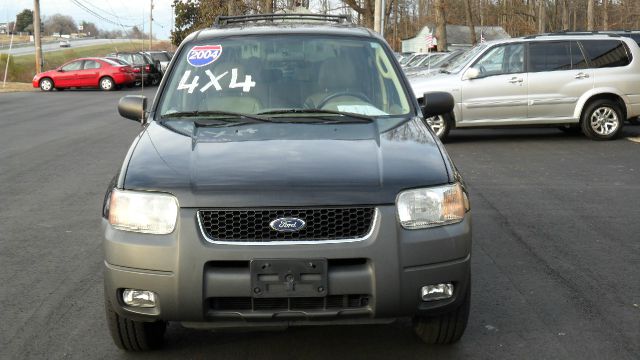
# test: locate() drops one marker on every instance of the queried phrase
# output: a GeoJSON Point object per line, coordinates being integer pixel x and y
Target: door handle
{"type": "Point", "coordinates": [515, 80]}
{"type": "Point", "coordinates": [582, 75]}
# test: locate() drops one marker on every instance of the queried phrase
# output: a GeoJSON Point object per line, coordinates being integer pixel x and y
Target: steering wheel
{"type": "Point", "coordinates": [358, 95]}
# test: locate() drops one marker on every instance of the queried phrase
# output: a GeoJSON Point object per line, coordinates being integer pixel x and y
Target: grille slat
{"type": "Point", "coordinates": [252, 225]}
{"type": "Point", "coordinates": [331, 302]}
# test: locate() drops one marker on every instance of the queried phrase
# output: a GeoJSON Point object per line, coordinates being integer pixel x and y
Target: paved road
{"type": "Point", "coordinates": [55, 46]}
{"type": "Point", "coordinates": [555, 265]}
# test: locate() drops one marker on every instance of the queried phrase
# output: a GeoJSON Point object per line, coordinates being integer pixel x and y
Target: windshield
{"type": "Point", "coordinates": [416, 59]}
{"type": "Point", "coordinates": [275, 74]}
{"type": "Point", "coordinates": [457, 64]}
{"type": "Point", "coordinates": [159, 56]}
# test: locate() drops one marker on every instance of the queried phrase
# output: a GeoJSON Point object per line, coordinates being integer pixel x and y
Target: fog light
{"type": "Point", "coordinates": [437, 292]}
{"type": "Point", "coordinates": [139, 298]}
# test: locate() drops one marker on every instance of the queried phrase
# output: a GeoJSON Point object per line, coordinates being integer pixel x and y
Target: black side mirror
{"type": "Point", "coordinates": [133, 107]}
{"type": "Point", "coordinates": [436, 103]}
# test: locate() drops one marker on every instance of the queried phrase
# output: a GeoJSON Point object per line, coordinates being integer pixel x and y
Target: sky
{"type": "Point", "coordinates": [126, 12]}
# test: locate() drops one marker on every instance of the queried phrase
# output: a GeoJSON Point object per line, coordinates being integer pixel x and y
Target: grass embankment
{"type": "Point", "coordinates": [12, 87]}
{"type": "Point", "coordinates": [22, 68]}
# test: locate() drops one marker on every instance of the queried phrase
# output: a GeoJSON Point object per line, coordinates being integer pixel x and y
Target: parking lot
{"type": "Point", "coordinates": [555, 255]}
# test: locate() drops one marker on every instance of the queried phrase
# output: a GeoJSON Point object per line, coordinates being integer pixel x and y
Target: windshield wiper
{"type": "Point", "coordinates": [209, 113]}
{"type": "Point", "coordinates": [363, 118]}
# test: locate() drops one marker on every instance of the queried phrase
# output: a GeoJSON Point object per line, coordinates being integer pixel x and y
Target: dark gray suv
{"type": "Point", "coordinates": [284, 176]}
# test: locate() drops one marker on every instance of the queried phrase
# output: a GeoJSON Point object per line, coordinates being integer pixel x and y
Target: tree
{"type": "Point", "coordinates": [61, 24]}
{"type": "Point", "coordinates": [89, 28]}
{"type": "Point", "coordinates": [441, 25]}
{"type": "Point", "coordinates": [24, 19]}
{"type": "Point", "coordinates": [192, 15]}
{"type": "Point", "coordinates": [469, 19]}
{"type": "Point", "coordinates": [590, 19]}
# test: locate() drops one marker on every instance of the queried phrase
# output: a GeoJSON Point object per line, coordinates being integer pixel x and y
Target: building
{"type": "Point", "coordinates": [4, 28]}
{"type": "Point", "coordinates": [457, 37]}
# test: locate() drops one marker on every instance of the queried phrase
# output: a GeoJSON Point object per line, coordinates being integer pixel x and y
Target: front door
{"type": "Point", "coordinates": [499, 94]}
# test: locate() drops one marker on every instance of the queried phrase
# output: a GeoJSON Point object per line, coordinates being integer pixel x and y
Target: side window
{"type": "Point", "coordinates": [549, 56]}
{"type": "Point", "coordinates": [91, 64]}
{"type": "Point", "coordinates": [138, 59]}
{"type": "Point", "coordinates": [76, 65]}
{"type": "Point", "coordinates": [125, 57]}
{"type": "Point", "coordinates": [606, 53]}
{"type": "Point", "coordinates": [578, 61]}
{"type": "Point", "coordinates": [505, 59]}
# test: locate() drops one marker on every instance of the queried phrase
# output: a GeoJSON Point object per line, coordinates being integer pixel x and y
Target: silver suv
{"type": "Point", "coordinates": [576, 82]}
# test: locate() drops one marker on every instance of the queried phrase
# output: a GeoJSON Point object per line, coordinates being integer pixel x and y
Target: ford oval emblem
{"type": "Point", "coordinates": [287, 224]}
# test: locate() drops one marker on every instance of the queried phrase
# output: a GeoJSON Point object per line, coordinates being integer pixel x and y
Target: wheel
{"type": "Point", "coordinates": [46, 84]}
{"type": "Point", "coordinates": [441, 125]}
{"type": "Point", "coordinates": [134, 335]}
{"type": "Point", "coordinates": [155, 81]}
{"type": "Point", "coordinates": [107, 84]}
{"type": "Point", "coordinates": [602, 120]}
{"type": "Point", "coordinates": [447, 328]}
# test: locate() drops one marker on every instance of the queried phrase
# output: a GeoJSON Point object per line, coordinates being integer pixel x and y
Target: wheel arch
{"type": "Point", "coordinates": [606, 94]}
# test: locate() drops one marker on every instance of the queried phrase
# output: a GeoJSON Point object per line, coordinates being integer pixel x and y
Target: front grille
{"type": "Point", "coordinates": [331, 302]}
{"type": "Point", "coordinates": [252, 225]}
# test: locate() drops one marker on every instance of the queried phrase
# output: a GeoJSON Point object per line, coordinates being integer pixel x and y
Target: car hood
{"type": "Point", "coordinates": [286, 164]}
{"type": "Point", "coordinates": [433, 82]}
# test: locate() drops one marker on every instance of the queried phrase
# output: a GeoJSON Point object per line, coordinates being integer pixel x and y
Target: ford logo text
{"type": "Point", "coordinates": [288, 224]}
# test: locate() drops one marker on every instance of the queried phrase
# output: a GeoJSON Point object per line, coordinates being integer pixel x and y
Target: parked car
{"type": "Point", "coordinates": [285, 177]}
{"type": "Point", "coordinates": [85, 72]}
{"type": "Point", "coordinates": [416, 59]}
{"type": "Point", "coordinates": [142, 64]}
{"type": "Point", "coordinates": [162, 57]}
{"type": "Point", "coordinates": [65, 43]}
{"type": "Point", "coordinates": [435, 66]}
{"type": "Point", "coordinates": [586, 82]}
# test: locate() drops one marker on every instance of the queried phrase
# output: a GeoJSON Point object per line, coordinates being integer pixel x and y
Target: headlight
{"type": "Point", "coordinates": [151, 213]}
{"type": "Point", "coordinates": [429, 207]}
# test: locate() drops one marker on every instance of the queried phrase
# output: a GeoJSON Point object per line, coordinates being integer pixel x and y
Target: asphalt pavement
{"type": "Point", "coordinates": [556, 251]}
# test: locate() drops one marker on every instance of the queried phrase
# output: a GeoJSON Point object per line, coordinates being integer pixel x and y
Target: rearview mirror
{"type": "Point", "coordinates": [133, 107]}
{"type": "Point", "coordinates": [471, 73]}
{"type": "Point", "coordinates": [436, 103]}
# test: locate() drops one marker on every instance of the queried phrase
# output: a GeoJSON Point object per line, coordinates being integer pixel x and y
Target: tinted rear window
{"type": "Point", "coordinates": [606, 53]}
{"type": "Point", "coordinates": [555, 56]}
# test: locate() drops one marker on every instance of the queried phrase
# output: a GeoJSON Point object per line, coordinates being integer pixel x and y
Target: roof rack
{"type": "Point", "coordinates": [227, 20]}
{"type": "Point", "coordinates": [561, 33]}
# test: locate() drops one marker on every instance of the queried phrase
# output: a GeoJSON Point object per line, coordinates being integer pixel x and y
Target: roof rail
{"type": "Point", "coordinates": [561, 33]}
{"type": "Point", "coordinates": [227, 20]}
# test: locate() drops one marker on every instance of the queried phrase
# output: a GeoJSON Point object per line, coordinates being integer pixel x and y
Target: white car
{"type": "Point", "coordinates": [65, 43]}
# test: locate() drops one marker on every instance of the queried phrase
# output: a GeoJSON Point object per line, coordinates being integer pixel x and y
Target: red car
{"type": "Point", "coordinates": [86, 72]}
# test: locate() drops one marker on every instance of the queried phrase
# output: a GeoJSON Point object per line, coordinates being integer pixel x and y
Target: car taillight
{"type": "Point", "coordinates": [136, 69]}
{"type": "Point", "coordinates": [147, 68]}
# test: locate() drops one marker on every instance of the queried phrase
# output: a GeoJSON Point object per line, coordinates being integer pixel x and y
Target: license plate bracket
{"type": "Point", "coordinates": [288, 278]}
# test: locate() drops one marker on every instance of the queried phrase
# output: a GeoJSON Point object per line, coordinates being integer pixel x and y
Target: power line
{"type": "Point", "coordinates": [85, 8]}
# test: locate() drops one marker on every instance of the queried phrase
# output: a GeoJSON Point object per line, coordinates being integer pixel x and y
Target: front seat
{"type": "Point", "coordinates": [335, 76]}
{"type": "Point", "coordinates": [230, 99]}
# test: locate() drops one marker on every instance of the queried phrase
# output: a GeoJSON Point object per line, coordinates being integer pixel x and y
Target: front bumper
{"type": "Point", "coordinates": [387, 268]}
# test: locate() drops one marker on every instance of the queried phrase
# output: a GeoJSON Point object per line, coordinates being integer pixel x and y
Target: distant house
{"type": "Point", "coordinates": [457, 37]}
{"type": "Point", "coordinates": [4, 28]}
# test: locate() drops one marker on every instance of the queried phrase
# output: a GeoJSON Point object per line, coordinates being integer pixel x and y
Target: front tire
{"type": "Point", "coordinates": [133, 335]}
{"type": "Point", "coordinates": [46, 84]}
{"type": "Point", "coordinates": [440, 124]}
{"type": "Point", "coordinates": [602, 120]}
{"type": "Point", "coordinates": [447, 328]}
{"type": "Point", "coordinates": [107, 84]}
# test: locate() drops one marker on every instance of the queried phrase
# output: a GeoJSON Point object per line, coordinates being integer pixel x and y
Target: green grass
{"type": "Point", "coordinates": [23, 68]}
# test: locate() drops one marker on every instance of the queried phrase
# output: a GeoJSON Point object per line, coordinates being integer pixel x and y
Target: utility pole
{"type": "Point", "coordinates": [151, 26]}
{"type": "Point", "coordinates": [36, 35]}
